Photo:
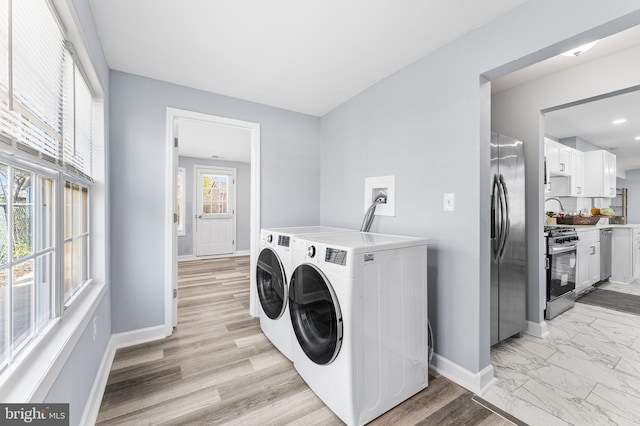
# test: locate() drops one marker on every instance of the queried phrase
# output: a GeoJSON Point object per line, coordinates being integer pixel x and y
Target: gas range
{"type": "Point", "coordinates": [560, 266]}
{"type": "Point", "coordinates": [560, 235]}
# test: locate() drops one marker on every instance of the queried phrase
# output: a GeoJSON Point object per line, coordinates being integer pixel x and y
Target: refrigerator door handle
{"type": "Point", "coordinates": [506, 221]}
{"type": "Point", "coordinates": [495, 219]}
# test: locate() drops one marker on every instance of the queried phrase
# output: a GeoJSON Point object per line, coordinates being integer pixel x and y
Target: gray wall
{"type": "Point", "coordinates": [579, 144]}
{"type": "Point", "coordinates": [429, 125]}
{"type": "Point", "coordinates": [243, 202]}
{"type": "Point", "coordinates": [76, 378]}
{"type": "Point", "coordinates": [517, 112]}
{"type": "Point", "coordinates": [289, 170]}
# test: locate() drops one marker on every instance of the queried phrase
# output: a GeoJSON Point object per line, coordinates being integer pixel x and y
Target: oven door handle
{"type": "Point", "coordinates": [562, 249]}
{"type": "Point", "coordinates": [506, 225]}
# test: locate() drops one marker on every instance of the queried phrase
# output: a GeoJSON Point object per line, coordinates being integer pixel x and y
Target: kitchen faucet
{"type": "Point", "coordinates": [556, 199]}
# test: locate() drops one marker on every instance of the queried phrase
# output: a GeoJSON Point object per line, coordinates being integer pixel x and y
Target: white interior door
{"type": "Point", "coordinates": [215, 224]}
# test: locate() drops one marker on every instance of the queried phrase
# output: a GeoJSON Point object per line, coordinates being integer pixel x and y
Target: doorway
{"type": "Point", "coordinates": [177, 121]}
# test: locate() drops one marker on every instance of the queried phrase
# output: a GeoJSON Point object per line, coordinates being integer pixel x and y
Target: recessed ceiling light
{"type": "Point", "coordinates": [580, 49]}
{"type": "Point", "coordinates": [638, 138]}
{"type": "Point", "coordinates": [619, 121]}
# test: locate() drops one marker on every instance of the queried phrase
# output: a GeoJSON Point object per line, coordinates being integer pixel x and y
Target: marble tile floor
{"type": "Point", "coordinates": [585, 372]}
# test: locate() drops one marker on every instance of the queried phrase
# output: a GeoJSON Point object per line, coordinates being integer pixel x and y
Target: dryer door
{"type": "Point", "coordinates": [272, 284]}
{"type": "Point", "coordinates": [315, 314]}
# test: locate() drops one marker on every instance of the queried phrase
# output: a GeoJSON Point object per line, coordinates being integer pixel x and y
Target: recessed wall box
{"type": "Point", "coordinates": [375, 187]}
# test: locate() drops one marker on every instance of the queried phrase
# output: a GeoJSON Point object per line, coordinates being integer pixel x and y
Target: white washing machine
{"type": "Point", "coordinates": [358, 306]}
{"type": "Point", "coordinates": [273, 272]}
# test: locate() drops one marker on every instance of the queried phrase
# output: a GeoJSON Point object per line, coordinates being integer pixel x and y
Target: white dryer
{"type": "Point", "coordinates": [358, 306]}
{"type": "Point", "coordinates": [272, 274]}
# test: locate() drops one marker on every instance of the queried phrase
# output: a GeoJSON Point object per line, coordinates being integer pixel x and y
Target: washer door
{"type": "Point", "coordinates": [315, 314]}
{"type": "Point", "coordinates": [272, 284]}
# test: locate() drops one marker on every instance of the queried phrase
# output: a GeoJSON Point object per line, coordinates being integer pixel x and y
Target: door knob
{"type": "Point", "coordinates": [200, 217]}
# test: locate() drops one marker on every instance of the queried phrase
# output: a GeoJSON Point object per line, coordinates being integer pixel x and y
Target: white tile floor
{"type": "Point", "coordinates": [586, 372]}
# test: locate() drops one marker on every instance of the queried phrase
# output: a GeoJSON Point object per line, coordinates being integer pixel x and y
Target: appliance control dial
{"type": "Point", "coordinates": [311, 251]}
{"type": "Point", "coordinates": [269, 238]}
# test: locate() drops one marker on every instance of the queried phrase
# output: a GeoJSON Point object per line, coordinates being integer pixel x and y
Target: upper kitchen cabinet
{"type": "Point", "coordinates": [565, 170]}
{"type": "Point", "coordinates": [577, 173]}
{"type": "Point", "coordinates": [558, 157]}
{"type": "Point", "coordinates": [599, 174]}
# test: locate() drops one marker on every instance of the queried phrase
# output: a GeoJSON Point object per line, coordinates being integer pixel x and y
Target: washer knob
{"type": "Point", "coordinates": [269, 238]}
{"type": "Point", "coordinates": [311, 251]}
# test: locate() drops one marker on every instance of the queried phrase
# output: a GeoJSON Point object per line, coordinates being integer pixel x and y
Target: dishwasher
{"type": "Point", "coordinates": [605, 254]}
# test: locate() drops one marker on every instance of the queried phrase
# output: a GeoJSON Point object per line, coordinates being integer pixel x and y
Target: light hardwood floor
{"type": "Point", "coordinates": [218, 368]}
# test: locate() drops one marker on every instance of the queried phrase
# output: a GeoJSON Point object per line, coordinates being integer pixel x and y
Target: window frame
{"type": "Point", "coordinates": [25, 145]}
{"type": "Point", "coordinates": [64, 240]}
{"type": "Point", "coordinates": [37, 172]}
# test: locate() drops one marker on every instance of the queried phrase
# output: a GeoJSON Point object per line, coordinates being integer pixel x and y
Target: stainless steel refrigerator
{"type": "Point", "coordinates": [508, 238]}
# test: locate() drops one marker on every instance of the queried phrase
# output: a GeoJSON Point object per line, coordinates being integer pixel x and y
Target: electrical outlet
{"type": "Point", "coordinates": [449, 202]}
{"type": "Point", "coordinates": [95, 328]}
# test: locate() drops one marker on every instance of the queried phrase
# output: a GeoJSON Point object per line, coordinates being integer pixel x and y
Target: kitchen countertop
{"type": "Point", "coordinates": [591, 227]}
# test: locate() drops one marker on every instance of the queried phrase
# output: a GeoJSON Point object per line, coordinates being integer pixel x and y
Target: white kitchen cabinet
{"type": "Point", "coordinates": [558, 157]}
{"type": "Point", "coordinates": [588, 260]}
{"type": "Point", "coordinates": [600, 174]}
{"type": "Point", "coordinates": [577, 173]}
{"type": "Point", "coordinates": [625, 254]}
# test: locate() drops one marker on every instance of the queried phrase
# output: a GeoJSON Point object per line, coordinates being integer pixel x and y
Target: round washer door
{"type": "Point", "coordinates": [272, 284]}
{"type": "Point", "coordinates": [315, 314]}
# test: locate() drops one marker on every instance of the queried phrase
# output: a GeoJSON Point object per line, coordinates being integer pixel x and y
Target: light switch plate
{"type": "Point", "coordinates": [449, 202]}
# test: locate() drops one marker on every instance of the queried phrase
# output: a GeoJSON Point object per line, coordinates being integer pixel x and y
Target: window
{"type": "Point", "coordinates": [26, 256]}
{"type": "Point", "coordinates": [49, 121]}
{"type": "Point", "coordinates": [215, 194]}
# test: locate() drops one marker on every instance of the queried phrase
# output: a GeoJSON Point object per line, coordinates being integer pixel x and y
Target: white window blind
{"type": "Point", "coordinates": [6, 119]}
{"type": "Point", "coordinates": [68, 107]}
{"type": "Point", "coordinates": [45, 101]}
{"type": "Point", "coordinates": [83, 117]}
{"type": "Point", "coordinates": [37, 62]}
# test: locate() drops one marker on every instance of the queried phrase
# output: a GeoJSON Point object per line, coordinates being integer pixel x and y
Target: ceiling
{"type": "Point", "coordinates": [201, 139]}
{"type": "Point", "coordinates": [606, 46]}
{"type": "Point", "coordinates": [591, 121]}
{"type": "Point", "coordinates": [302, 56]}
{"type": "Point", "coordinates": [310, 57]}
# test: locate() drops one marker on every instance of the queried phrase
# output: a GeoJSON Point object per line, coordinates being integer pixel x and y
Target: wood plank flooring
{"type": "Point", "coordinates": [218, 368]}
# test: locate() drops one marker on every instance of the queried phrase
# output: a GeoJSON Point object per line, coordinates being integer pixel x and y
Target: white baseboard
{"type": "Point", "coordinates": [92, 408]}
{"type": "Point", "coordinates": [136, 337]}
{"type": "Point", "coordinates": [537, 329]}
{"type": "Point", "coordinates": [187, 257]}
{"type": "Point", "coordinates": [117, 341]}
{"type": "Point", "coordinates": [477, 383]}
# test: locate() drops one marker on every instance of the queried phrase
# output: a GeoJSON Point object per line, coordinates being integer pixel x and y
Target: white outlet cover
{"type": "Point", "coordinates": [388, 182]}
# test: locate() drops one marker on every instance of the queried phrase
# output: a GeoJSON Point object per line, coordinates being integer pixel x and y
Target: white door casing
{"type": "Point", "coordinates": [215, 219]}
{"type": "Point", "coordinates": [170, 226]}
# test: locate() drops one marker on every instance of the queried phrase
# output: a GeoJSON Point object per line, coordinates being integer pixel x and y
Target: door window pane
{"type": "Point", "coordinates": [22, 213]}
{"type": "Point", "coordinates": [22, 289]}
{"type": "Point", "coordinates": [215, 194]}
